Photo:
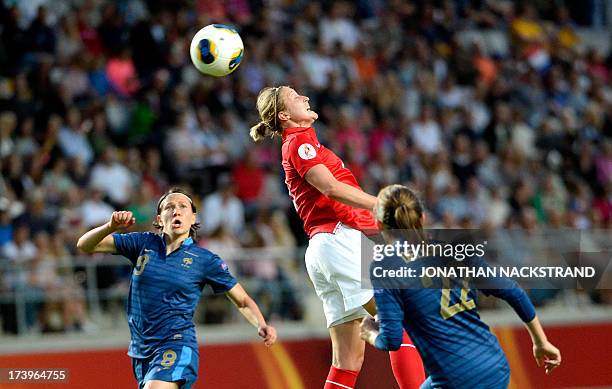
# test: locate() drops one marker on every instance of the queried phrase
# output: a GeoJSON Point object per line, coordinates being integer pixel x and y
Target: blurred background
{"type": "Point", "coordinates": [499, 113]}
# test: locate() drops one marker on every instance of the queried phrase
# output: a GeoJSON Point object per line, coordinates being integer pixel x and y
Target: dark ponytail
{"type": "Point", "coordinates": [398, 208]}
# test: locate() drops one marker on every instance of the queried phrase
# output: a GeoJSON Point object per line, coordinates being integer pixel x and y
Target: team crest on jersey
{"type": "Point", "coordinates": [307, 151]}
{"type": "Point", "coordinates": [187, 262]}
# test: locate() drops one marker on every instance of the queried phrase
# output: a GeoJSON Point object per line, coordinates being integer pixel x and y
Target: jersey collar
{"type": "Point", "coordinates": [187, 242]}
{"type": "Point", "coordinates": [296, 130]}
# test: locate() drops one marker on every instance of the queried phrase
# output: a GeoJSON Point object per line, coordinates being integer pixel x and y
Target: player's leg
{"type": "Point", "coordinates": [347, 346]}
{"type": "Point", "coordinates": [407, 365]}
{"type": "Point", "coordinates": [325, 259]}
{"type": "Point", "coordinates": [347, 355]}
{"type": "Point", "coordinates": [156, 384]}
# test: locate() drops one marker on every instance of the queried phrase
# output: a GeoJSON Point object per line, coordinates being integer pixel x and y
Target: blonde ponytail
{"type": "Point", "coordinates": [269, 104]}
{"type": "Point", "coordinates": [258, 131]}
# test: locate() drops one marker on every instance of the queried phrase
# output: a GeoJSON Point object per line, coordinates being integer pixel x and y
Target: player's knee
{"type": "Point", "coordinates": [348, 361]}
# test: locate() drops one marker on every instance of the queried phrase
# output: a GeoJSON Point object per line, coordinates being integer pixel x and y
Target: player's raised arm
{"type": "Point", "coordinates": [99, 239]}
{"type": "Point", "coordinates": [249, 309]}
{"type": "Point", "coordinates": [321, 178]}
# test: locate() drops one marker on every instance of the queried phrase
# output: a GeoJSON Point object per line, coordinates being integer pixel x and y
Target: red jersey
{"type": "Point", "coordinates": [301, 151]}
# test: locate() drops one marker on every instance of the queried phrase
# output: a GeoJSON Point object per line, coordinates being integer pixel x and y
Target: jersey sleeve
{"type": "Point", "coordinates": [130, 245]}
{"type": "Point", "coordinates": [303, 154]}
{"type": "Point", "coordinates": [219, 276]}
{"type": "Point", "coordinates": [509, 291]}
{"type": "Point", "coordinates": [390, 316]}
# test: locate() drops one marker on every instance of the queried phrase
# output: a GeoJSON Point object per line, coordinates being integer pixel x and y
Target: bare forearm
{"type": "Point", "coordinates": [538, 337]}
{"type": "Point", "coordinates": [321, 178]}
{"type": "Point", "coordinates": [92, 238]}
{"type": "Point", "coordinates": [352, 196]}
{"type": "Point", "coordinates": [251, 312]}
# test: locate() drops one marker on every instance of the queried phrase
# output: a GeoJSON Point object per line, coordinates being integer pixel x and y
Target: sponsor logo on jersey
{"type": "Point", "coordinates": [187, 262]}
{"type": "Point", "coordinates": [307, 151]}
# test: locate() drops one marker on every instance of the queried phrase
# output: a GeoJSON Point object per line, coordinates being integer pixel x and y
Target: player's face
{"type": "Point", "coordinates": [176, 216]}
{"type": "Point", "coordinates": [297, 108]}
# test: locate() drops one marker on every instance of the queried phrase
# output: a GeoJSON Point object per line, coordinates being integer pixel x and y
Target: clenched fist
{"type": "Point", "coordinates": [122, 219]}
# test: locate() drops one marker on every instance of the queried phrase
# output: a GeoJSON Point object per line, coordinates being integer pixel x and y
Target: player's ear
{"type": "Point", "coordinates": [282, 115]}
{"type": "Point", "coordinates": [158, 221]}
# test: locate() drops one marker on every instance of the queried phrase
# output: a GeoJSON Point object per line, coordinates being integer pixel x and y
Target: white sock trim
{"type": "Point", "coordinates": [408, 345]}
{"type": "Point", "coordinates": [335, 383]}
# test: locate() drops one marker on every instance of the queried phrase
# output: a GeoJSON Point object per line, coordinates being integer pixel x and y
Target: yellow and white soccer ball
{"type": "Point", "coordinates": [216, 50]}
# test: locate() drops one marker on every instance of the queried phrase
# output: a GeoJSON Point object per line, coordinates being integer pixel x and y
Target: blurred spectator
{"type": "Point", "coordinates": [452, 203]}
{"type": "Point", "coordinates": [39, 35]}
{"type": "Point", "coordinates": [349, 135]}
{"type": "Point", "coordinates": [383, 138]}
{"type": "Point", "coordinates": [383, 171]}
{"type": "Point", "coordinates": [249, 179]}
{"type": "Point", "coordinates": [93, 210]}
{"type": "Point", "coordinates": [6, 227]}
{"type": "Point", "coordinates": [113, 178]}
{"type": "Point", "coordinates": [72, 137]}
{"type": "Point", "coordinates": [143, 207]}
{"type": "Point", "coordinates": [38, 216]}
{"type": "Point", "coordinates": [602, 205]}
{"type": "Point", "coordinates": [338, 27]}
{"type": "Point", "coordinates": [56, 181]}
{"type": "Point", "coordinates": [17, 258]}
{"type": "Point", "coordinates": [25, 143]}
{"type": "Point", "coordinates": [603, 163]}
{"type": "Point", "coordinates": [425, 132]}
{"type": "Point", "coordinates": [8, 123]}
{"type": "Point", "coordinates": [223, 208]}
{"type": "Point", "coordinates": [70, 216]}
{"type": "Point", "coordinates": [222, 242]}
{"type": "Point", "coordinates": [21, 249]}
{"type": "Point", "coordinates": [498, 209]}
{"type": "Point", "coordinates": [63, 308]}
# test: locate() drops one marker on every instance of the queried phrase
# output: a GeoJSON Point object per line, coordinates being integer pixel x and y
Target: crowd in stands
{"type": "Point", "coordinates": [101, 109]}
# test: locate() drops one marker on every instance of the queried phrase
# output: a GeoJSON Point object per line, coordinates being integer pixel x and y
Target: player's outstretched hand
{"type": "Point", "coordinates": [547, 355]}
{"type": "Point", "coordinates": [268, 333]}
{"type": "Point", "coordinates": [122, 219]}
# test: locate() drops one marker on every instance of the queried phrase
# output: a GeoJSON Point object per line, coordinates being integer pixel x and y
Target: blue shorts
{"type": "Point", "coordinates": [502, 384]}
{"type": "Point", "coordinates": [171, 364]}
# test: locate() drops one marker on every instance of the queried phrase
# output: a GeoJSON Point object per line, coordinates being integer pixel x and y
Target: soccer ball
{"type": "Point", "coordinates": [216, 50]}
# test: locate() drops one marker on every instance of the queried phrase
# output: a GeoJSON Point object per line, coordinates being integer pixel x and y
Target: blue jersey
{"type": "Point", "coordinates": [457, 348]}
{"type": "Point", "coordinates": [165, 289]}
